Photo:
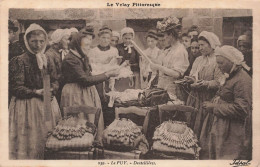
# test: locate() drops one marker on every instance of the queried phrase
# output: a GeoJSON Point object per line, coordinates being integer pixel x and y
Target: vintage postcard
{"type": "Point", "coordinates": [129, 83]}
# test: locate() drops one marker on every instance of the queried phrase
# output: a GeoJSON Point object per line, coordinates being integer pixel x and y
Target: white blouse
{"type": "Point", "coordinates": [102, 57]}
{"type": "Point", "coordinates": [175, 58]}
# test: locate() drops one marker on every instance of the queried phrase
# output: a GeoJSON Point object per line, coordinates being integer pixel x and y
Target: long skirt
{"type": "Point", "coordinates": [28, 128]}
{"type": "Point", "coordinates": [196, 99]}
{"type": "Point", "coordinates": [224, 137]}
{"type": "Point", "coordinates": [73, 95]}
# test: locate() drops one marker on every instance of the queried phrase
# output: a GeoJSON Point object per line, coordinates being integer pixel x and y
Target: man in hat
{"type": "Point", "coordinates": [15, 49]}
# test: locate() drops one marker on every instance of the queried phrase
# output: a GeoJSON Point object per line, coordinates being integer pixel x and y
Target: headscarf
{"type": "Point", "coordinates": [232, 54]}
{"type": "Point", "coordinates": [41, 58]}
{"type": "Point", "coordinates": [76, 39]}
{"type": "Point", "coordinates": [127, 30]}
{"type": "Point", "coordinates": [58, 34]}
{"type": "Point", "coordinates": [212, 38]}
{"type": "Point", "coordinates": [76, 43]}
{"type": "Point", "coordinates": [243, 38]}
{"type": "Point", "coordinates": [206, 60]}
{"type": "Point", "coordinates": [73, 29]}
{"type": "Point", "coordinates": [115, 34]}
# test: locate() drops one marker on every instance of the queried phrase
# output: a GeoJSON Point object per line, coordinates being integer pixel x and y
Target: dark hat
{"type": "Point", "coordinates": [195, 38]}
{"type": "Point", "coordinates": [88, 30]}
{"type": "Point", "coordinates": [105, 27]}
{"type": "Point", "coordinates": [184, 35]}
{"type": "Point", "coordinates": [160, 33]}
{"type": "Point", "coordinates": [11, 26]}
{"type": "Point", "coordinates": [152, 33]}
{"type": "Point", "coordinates": [193, 28]}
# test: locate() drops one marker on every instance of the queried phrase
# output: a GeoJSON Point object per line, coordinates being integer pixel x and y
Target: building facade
{"type": "Point", "coordinates": [228, 24]}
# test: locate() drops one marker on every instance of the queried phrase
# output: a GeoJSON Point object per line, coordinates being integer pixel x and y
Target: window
{"type": "Point", "coordinates": [141, 26]}
{"type": "Point", "coordinates": [233, 27]}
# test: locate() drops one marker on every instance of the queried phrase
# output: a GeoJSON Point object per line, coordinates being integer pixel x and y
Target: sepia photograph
{"type": "Point", "coordinates": [130, 84]}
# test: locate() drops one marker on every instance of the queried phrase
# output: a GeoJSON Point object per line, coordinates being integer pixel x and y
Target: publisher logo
{"type": "Point", "coordinates": [237, 163]}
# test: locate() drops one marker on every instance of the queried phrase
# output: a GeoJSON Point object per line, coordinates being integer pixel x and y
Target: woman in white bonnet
{"type": "Point", "coordinates": [115, 38]}
{"type": "Point", "coordinates": [29, 122]}
{"type": "Point", "coordinates": [230, 136]}
{"type": "Point", "coordinates": [128, 53]}
{"type": "Point", "coordinates": [56, 53]}
{"type": "Point", "coordinates": [204, 79]}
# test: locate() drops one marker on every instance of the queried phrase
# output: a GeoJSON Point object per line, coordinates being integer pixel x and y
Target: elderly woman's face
{"type": "Point", "coordinates": [86, 43]}
{"type": "Point", "coordinates": [127, 38]}
{"type": "Point", "coordinates": [243, 46]}
{"type": "Point", "coordinates": [37, 42]}
{"type": "Point", "coordinates": [105, 39]}
{"type": "Point", "coordinates": [65, 42]}
{"type": "Point", "coordinates": [205, 48]}
{"type": "Point", "coordinates": [224, 64]}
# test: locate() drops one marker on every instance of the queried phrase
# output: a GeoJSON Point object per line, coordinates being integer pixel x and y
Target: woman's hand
{"type": "Point", "coordinates": [208, 106]}
{"type": "Point", "coordinates": [112, 73]}
{"type": "Point", "coordinates": [119, 59]}
{"type": "Point", "coordinates": [189, 79]}
{"type": "Point", "coordinates": [200, 84]}
{"type": "Point", "coordinates": [39, 92]}
{"type": "Point", "coordinates": [155, 66]}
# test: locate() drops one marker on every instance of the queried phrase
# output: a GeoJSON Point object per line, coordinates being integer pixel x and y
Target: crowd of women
{"type": "Point", "coordinates": [217, 83]}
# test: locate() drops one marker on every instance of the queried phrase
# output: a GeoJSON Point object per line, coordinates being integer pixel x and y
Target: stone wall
{"type": "Point", "coordinates": [206, 19]}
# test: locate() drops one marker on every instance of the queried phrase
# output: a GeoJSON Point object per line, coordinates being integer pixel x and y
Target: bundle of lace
{"type": "Point", "coordinates": [127, 95]}
{"type": "Point", "coordinates": [124, 71]}
{"type": "Point", "coordinates": [73, 128]}
{"type": "Point", "coordinates": [124, 133]}
{"type": "Point", "coordinates": [174, 134]}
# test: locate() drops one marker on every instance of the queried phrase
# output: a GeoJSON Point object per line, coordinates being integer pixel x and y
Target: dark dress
{"type": "Point", "coordinates": [54, 57]}
{"type": "Point", "coordinates": [79, 85]}
{"type": "Point", "coordinates": [229, 134]}
{"type": "Point", "coordinates": [15, 49]}
{"type": "Point", "coordinates": [191, 60]}
{"type": "Point", "coordinates": [28, 126]}
{"type": "Point", "coordinates": [133, 58]}
{"type": "Point", "coordinates": [248, 57]}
